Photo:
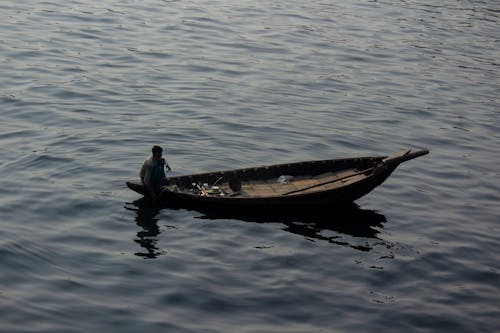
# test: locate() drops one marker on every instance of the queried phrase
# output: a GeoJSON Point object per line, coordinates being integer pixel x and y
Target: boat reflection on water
{"type": "Point", "coordinates": [349, 226]}
{"type": "Point", "coordinates": [330, 225]}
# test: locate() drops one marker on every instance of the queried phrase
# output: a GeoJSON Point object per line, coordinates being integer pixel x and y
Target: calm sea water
{"type": "Point", "coordinates": [87, 87]}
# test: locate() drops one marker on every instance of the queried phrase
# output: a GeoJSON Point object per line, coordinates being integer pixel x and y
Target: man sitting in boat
{"type": "Point", "coordinates": [153, 171]}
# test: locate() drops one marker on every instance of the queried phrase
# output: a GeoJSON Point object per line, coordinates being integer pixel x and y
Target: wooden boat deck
{"type": "Point", "coordinates": [298, 185]}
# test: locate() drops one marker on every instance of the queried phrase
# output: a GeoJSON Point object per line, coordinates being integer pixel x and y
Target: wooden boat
{"type": "Point", "coordinates": [297, 186]}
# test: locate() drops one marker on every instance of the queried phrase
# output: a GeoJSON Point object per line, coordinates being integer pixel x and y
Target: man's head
{"type": "Point", "coordinates": [157, 151]}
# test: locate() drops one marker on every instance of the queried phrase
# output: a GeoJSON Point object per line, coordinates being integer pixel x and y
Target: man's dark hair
{"type": "Point", "coordinates": [157, 149]}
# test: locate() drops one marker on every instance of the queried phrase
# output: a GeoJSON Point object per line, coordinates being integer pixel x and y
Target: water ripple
{"type": "Point", "coordinates": [88, 88]}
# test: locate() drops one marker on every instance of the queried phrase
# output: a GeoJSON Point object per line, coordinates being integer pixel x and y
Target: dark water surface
{"type": "Point", "coordinates": [87, 87]}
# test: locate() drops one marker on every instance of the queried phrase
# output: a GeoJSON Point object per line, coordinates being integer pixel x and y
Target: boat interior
{"type": "Point", "coordinates": [277, 180]}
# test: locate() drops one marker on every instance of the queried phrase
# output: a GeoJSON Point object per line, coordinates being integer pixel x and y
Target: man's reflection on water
{"type": "Point", "coordinates": [146, 237]}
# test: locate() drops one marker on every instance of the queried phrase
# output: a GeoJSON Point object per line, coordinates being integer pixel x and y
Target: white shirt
{"type": "Point", "coordinates": [147, 170]}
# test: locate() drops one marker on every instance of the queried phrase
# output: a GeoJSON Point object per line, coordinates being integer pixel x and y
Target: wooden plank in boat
{"type": "Point", "coordinates": [329, 183]}
{"type": "Point", "coordinates": [264, 188]}
{"type": "Point", "coordinates": [270, 188]}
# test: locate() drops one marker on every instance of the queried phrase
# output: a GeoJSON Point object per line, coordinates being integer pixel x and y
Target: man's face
{"type": "Point", "coordinates": [157, 156]}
